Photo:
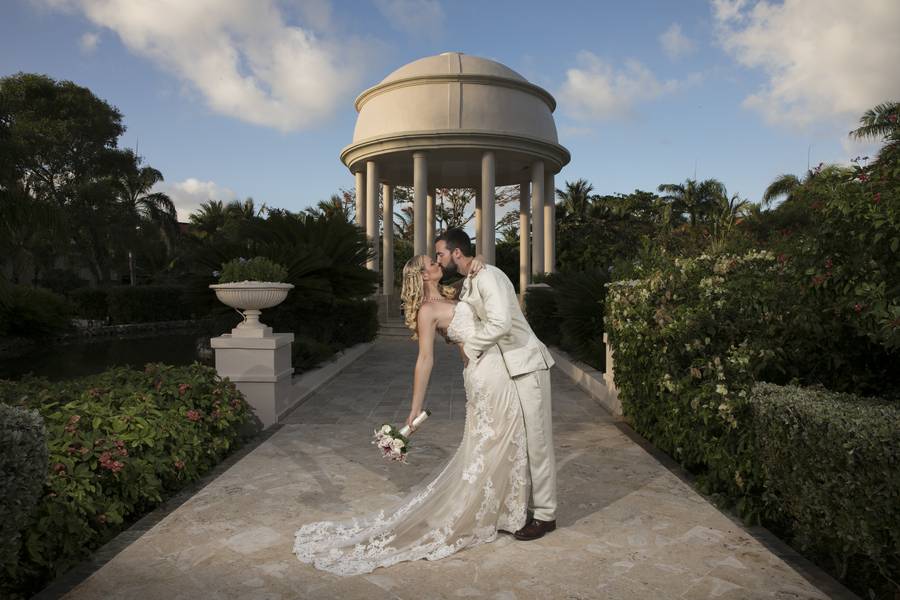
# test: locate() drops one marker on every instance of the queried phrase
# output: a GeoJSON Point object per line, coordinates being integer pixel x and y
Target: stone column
{"type": "Point", "coordinates": [361, 198]}
{"type": "Point", "coordinates": [387, 201]}
{"type": "Point", "coordinates": [372, 211]}
{"type": "Point", "coordinates": [537, 217]}
{"type": "Point", "coordinates": [524, 237]}
{"type": "Point", "coordinates": [479, 243]}
{"type": "Point", "coordinates": [489, 221]}
{"type": "Point", "coordinates": [420, 190]}
{"type": "Point", "coordinates": [429, 222]}
{"type": "Point", "coordinates": [549, 223]}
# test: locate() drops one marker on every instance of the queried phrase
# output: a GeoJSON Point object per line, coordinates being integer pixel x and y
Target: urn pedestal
{"type": "Point", "coordinates": [261, 369]}
{"type": "Point", "coordinates": [257, 360]}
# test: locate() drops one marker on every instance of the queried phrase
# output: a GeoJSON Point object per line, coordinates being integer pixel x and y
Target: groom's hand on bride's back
{"type": "Point", "coordinates": [476, 266]}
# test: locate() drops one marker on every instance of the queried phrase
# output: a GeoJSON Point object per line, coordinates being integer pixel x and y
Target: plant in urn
{"type": "Point", "coordinates": [248, 286]}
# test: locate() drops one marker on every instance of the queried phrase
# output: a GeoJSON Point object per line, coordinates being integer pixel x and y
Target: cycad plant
{"type": "Point", "coordinates": [580, 303]}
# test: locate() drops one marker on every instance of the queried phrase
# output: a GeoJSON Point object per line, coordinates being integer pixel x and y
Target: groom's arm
{"type": "Point", "coordinates": [497, 322]}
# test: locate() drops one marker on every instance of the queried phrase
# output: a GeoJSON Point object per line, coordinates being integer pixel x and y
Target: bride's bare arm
{"type": "Point", "coordinates": [426, 322]}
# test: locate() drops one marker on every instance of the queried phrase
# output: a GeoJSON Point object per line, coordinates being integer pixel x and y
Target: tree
{"type": "Point", "coordinates": [694, 199]}
{"type": "Point", "coordinates": [882, 121]}
{"type": "Point", "coordinates": [576, 199]}
{"type": "Point", "coordinates": [58, 148]}
{"type": "Point", "coordinates": [133, 186]}
{"type": "Point", "coordinates": [340, 205]}
{"type": "Point", "coordinates": [787, 185]}
{"type": "Point", "coordinates": [209, 219]}
{"type": "Point", "coordinates": [59, 136]}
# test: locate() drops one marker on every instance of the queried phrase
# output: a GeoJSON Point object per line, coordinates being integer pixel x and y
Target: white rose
{"type": "Point", "coordinates": [385, 429]}
{"type": "Point", "coordinates": [397, 445]}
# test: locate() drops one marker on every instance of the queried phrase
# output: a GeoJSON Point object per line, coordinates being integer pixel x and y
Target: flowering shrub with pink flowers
{"type": "Point", "coordinates": [119, 444]}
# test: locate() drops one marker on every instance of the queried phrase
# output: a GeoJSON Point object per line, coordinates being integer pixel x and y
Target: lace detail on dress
{"type": "Point", "coordinates": [443, 517]}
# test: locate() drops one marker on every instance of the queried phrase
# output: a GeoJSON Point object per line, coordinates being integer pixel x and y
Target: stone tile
{"type": "Point", "coordinates": [627, 527]}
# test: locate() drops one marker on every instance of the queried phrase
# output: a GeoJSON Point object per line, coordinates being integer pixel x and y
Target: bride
{"type": "Point", "coordinates": [482, 489]}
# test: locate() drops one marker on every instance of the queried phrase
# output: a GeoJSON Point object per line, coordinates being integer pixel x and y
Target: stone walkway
{"type": "Point", "coordinates": [627, 526]}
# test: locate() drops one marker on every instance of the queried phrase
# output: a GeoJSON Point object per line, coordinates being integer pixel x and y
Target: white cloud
{"type": "Point", "coordinates": [674, 43]}
{"type": "Point", "coordinates": [417, 17]}
{"type": "Point", "coordinates": [189, 194]}
{"type": "Point", "coordinates": [88, 42]}
{"type": "Point", "coordinates": [241, 55]}
{"type": "Point", "coordinates": [825, 60]}
{"type": "Point", "coordinates": [596, 90]}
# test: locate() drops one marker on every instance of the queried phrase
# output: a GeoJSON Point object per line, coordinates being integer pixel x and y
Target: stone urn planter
{"type": "Point", "coordinates": [249, 298]}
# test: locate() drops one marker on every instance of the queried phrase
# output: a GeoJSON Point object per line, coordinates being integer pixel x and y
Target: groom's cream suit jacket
{"type": "Point", "coordinates": [493, 297]}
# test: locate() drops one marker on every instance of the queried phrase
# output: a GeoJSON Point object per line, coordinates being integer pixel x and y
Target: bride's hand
{"type": "Point", "coordinates": [476, 265]}
{"type": "Point", "coordinates": [409, 420]}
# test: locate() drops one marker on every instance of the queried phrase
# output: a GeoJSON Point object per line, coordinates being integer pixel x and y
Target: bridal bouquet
{"type": "Point", "coordinates": [393, 442]}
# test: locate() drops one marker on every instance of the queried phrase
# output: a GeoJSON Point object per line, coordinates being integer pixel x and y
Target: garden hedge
{"type": "Point", "coordinates": [691, 339]}
{"type": "Point", "coordinates": [829, 463]}
{"type": "Point", "coordinates": [119, 443]}
{"type": "Point", "coordinates": [23, 469]}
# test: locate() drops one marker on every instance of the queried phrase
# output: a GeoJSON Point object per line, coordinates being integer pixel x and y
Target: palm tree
{"type": "Point", "coordinates": [209, 219]}
{"type": "Point", "coordinates": [882, 121]}
{"type": "Point", "coordinates": [784, 185]}
{"type": "Point", "coordinates": [244, 211]}
{"type": "Point", "coordinates": [336, 206]}
{"type": "Point", "coordinates": [403, 223]}
{"type": "Point", "coordinates": [132, 189]}
{"type": "Point", "coordinates": [788, 185]}
{"type": "Point", "coordinates": [692, 198]}
{"type": "Point", "coordinates": [728, 212]}
{"type": "Point", "coordinates": [576, 199]}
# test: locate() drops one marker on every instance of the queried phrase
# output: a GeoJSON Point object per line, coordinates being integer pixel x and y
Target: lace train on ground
{"type": "Point", "coordinates": [483, 488]}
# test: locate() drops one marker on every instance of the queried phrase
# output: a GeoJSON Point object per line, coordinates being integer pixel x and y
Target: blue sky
{"type": "Point", "coordinates": [255, 98]}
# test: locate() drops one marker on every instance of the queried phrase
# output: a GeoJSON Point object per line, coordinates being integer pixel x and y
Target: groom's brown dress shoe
{"type": "Point", "coordinates": [535, 529]}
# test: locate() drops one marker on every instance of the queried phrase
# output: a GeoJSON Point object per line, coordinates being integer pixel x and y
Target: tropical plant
{"type": "Point", "coordinates": [882, 121]}
{"type": "Point", "coordinates": [258, 268]}
{"type": "Point", "coordinates": [692, 198]}
{"type": "Point", "coordinates": [339, 205]}
{"type": "Point", "coordinates": [576, 199]}
{"type": "Point", "coordinates": [209, 219]}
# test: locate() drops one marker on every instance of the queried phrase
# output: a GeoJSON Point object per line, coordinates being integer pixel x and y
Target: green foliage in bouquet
{"type": "Point", "coordinates": [258, 268]}
{"type": "Point", "coordinates": [119, 444]}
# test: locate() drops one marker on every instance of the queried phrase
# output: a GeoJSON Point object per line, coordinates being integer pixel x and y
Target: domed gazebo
{"type": "Point", "coordinates": [457, 121]}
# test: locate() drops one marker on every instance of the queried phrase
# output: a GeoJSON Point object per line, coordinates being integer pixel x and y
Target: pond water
{"type": "Point", "coordinates": [64, 361]}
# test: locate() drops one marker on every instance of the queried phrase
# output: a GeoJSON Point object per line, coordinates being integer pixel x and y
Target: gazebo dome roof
{"type": "Point", "coordinates": [442, 64]}
{"type": "Point", "coordinates": [455, 106]}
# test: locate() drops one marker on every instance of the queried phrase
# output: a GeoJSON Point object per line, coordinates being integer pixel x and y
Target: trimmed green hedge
{"type": "Point", "coordinates": [90, 302]}
{"type": "Point", "coordinates": [31, 311]}
{"type": "Point", "coordinates": [692, 337]}
{"type": "Point", "coordinates": [23, 469]}
{"type": "Point", "coordinates": [829, 463]}
{"type": "Point", "coordinates": [147, 303]}
{"type": "Point", "coordinates": [119, 443]}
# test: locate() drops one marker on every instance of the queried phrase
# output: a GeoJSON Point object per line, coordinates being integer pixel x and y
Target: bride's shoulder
{"type": "Point", "coordinates": [433, 311]}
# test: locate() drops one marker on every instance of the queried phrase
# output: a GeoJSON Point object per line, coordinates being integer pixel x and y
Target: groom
{"type": "Point", "coordinates": [492, 296]}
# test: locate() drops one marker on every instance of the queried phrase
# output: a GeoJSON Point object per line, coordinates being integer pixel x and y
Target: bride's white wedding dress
{"type": "Point", "coordinates": [483, 488]}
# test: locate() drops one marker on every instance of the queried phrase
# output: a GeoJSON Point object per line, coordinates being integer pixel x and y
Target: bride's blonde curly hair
{"type": "Point", "coordinates": [412, 292]}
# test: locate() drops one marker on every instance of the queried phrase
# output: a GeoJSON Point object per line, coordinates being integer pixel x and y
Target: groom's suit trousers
{"type": "Point", "coordinates": [534, 396]}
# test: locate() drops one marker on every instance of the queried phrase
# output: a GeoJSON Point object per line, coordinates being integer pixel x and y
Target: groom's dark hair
{"type": "Point", "coordinates": [457, 238]}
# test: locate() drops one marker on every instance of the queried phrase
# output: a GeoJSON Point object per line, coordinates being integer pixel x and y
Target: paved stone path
{"type": "Point", "coordinates": [627, 527]}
